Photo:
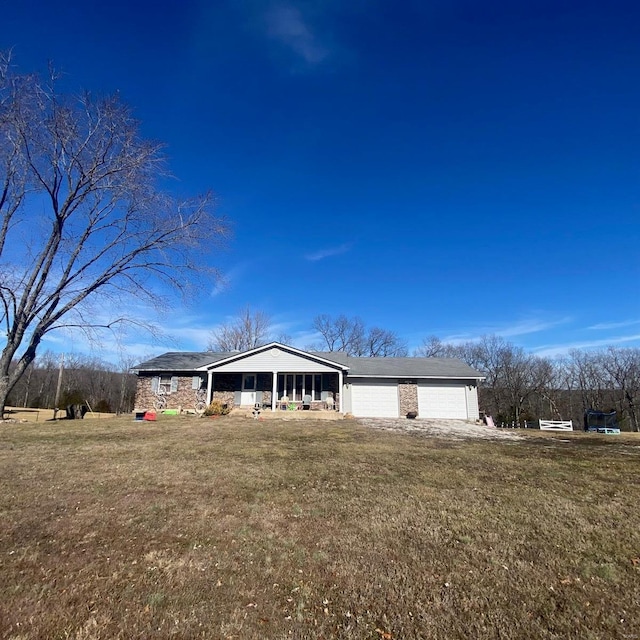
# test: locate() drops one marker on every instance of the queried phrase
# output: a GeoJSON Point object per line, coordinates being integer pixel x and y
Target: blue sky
{"type": "Point", "coordinates": [450, 168]}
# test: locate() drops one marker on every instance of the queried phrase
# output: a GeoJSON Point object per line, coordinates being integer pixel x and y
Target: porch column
{"type": "Point", "coordinates": [274, 391]}
{"type": "Point", "coordinates": [209, 387]}
{"type": "Point", "coordinates": [340, 389]}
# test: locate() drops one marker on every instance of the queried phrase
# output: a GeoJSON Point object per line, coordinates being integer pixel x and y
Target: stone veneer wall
{"type": "Point", "coordinates": [224, 391]}
{"type": "Point", "coordinates": [408, 393]}
{"type": "Point", "coordinates": [225, 397]}
{"type": "Point", "coordinates": [184, 398]}
{"type": "Point", "coordinates": [264, 383]}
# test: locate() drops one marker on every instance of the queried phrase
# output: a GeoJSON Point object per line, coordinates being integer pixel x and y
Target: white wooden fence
{"type": "Point", "coordinates": [556, 425]}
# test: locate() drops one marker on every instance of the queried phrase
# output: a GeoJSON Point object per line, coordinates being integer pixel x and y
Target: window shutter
{"type": "Point", "coordinates": [155, 384]}
{"type": "Point", "coordinates": [174, 384]}
{"type": "Point", "coordinates": [196, 382]}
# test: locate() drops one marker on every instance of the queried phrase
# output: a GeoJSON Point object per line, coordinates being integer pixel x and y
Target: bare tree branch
{"type": "Point", "coordinates": [77, 169]}
{"type": "Point", "coordinates": [248, 330]}
{"type": "Point", "coordinates": [350, 335]}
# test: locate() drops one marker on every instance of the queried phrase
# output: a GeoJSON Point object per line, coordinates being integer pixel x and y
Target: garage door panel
{"type": "Point", "coordinates": [374, 400]}
{"type": "Point", "coordinates": [442, 401]}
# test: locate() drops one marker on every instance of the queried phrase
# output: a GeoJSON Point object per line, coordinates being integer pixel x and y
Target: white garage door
{"type": "Point", "coordinates": [442, 401]}
{"type": "Point", "coordinates": [374, 400]}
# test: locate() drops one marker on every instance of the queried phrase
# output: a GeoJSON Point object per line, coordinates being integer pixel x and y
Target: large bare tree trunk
{"type": "Point", "coordinates": [79, 182]}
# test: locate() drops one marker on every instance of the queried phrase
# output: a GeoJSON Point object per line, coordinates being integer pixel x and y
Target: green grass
{"type": "Point", "coordinates": [232, 528]}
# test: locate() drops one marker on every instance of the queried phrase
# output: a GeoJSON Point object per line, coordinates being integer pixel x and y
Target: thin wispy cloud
{"type": "Point", "coordinates": [225, 281]}
{"type": "Point", "coordinates": [286, 25]}
{"type": "Point", "coordinates": [604, 326]}
{"type": "Point", "coordinates": [511, 330]}
{"type": "Point", "coordinates": [526, 327]}
{"type": "Point", "coordinates": [563, 349]}
{"type": "Point", "coordinates": [327, 253]}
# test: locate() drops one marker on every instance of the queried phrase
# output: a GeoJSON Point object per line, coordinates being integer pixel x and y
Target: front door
{"type": "Point", "coordinates": [248, 393]}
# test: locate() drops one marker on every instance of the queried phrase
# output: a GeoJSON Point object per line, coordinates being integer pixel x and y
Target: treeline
{"type": "Point", "coordinates": [85, 380]}
{"type": "Point", "coordinates": [520, 386]}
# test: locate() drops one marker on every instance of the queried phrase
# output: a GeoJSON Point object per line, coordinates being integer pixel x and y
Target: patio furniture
{"type": "Point", "coordinates": [329, 403]}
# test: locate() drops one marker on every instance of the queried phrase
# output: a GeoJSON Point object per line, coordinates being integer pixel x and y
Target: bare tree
{"type": "Point", "coordinates": [339, 334]}
{"type": "Point", "coordinates": [85, 379]}
{"type": "Point", "coordinates": [519, 384]}
{"type": "Point", "coordinates": [433, 347]}
{"type": "Point", "coordinates": [350, 335]}
{"type": "Point", "coordinates": [381, 343]}
{"type": "Point", "coordinates": [623, 366]}
{"type": "Point", "coordinates": [248, 330]}
{"type": "Point", "coordinates": [558, 393]}
{"type": "Point", "coordinates": [513, 377]}
{"type": "Point", "coordinates": [588, 376]}
{"type": "Point", "coordinates": [81, 218]}
{"type": "Point", "coordinates": [524, 376]}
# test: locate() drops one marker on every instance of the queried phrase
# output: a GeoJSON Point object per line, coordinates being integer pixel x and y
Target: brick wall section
{"type": "Point", "coordinates": [144, 395]}
{"type": "Point", "coordinates": [264, 383]}
{"type": "Point", "coordinates": [225, 397]}
{"type": "Point", "coordinates": [184, 397]}
{"type": "Point", "coordinates": [408, 393]}
{"type": "Point", "coordinates": [224, 391]}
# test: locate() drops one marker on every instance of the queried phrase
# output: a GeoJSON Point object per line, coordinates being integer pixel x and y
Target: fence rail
{"type": "Point", "coordinates": [556, 425]}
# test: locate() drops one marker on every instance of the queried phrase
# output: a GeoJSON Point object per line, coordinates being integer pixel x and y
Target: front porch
{"type": "Point", "coordinates": [276, 392]}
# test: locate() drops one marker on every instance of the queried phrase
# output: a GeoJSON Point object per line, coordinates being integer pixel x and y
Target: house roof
{"type": "Point", "coordinates": [275, 346]}
{"type": "Point", "coordinates": [406, 367]}
{"type": "Point", "coordinates": [180, 361]}
{"type": "Point", "coordinates": [357, 367]}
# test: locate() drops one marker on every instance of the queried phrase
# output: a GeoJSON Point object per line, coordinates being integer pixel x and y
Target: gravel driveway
{"type": "Point", "coordinates": [455, 429]}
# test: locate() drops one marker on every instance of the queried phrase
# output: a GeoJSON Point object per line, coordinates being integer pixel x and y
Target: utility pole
{"type": "Point", "coordinates": [59, 387]}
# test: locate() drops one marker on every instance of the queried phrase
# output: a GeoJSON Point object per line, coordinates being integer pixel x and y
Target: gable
{"type": "Point", "coordinates": [273, 358]}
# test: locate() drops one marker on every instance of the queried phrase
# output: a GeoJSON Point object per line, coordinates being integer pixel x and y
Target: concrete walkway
{"type": "Point", "coordinates": [455, 429]}
{"type": "Point", "coordinates": [267, 414]}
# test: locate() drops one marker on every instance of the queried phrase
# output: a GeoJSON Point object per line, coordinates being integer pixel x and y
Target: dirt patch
{"type": "Point", "coordinates": [455, 429]}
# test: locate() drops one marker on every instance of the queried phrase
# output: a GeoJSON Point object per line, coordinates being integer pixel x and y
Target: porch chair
{"type": "Point", "coordinates": [329, 403]}
{"type": "Point", "coordinates": [284, 403]}
{"type": "Point", "coordinates": [306, 403]}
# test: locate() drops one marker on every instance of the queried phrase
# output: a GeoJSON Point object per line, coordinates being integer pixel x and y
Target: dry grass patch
{"type": "Point", "coordinates": [232, 528]}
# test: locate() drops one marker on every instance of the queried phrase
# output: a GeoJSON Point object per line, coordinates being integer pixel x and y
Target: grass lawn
{"type": "Point", "coordinates": [233, 528]}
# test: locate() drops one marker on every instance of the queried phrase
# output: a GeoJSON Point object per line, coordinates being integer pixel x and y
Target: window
{"type": "Point", "coordinates": [298, 385]}
{"type": "Point", "coordinates": [313, 386]}
{"type": "Point", "coordinates": [164, 385]}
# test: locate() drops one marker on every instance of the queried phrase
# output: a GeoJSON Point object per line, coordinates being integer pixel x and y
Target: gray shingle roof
{"type": "Point", "coordinates": [365, 367]}
{"type": "Point", "coordinates": [180, 361]}
{"type": "Point", "coordinates": [404, 367]}
{"type": "Point", "coordinates": [411, 368]}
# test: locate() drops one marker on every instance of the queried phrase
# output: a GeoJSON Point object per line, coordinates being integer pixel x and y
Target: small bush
{"type": "Point", "coordinates": [217, 408]}
{"type": "Point", "coordinates": [102, 406]}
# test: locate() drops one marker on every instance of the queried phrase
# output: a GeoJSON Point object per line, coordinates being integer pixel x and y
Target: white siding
{"type": "Point", "coordinates": [442, 400]}
{"type": "Point", "coordinates": [374, 399]}
{"type": "Point", "coordinates": [473, 410]}
{"type": "Point", "coordinates": [274, 360]}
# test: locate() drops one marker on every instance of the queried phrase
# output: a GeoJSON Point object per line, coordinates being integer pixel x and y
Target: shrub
{"type": "Point", "coordinates": [103, 406]}
{"type": "Point", "coordinates": [217, 408]}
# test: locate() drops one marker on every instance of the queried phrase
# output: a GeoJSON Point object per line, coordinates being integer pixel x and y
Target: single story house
{"type": "Point", "coordinates": [276, 376]}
